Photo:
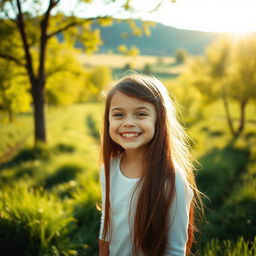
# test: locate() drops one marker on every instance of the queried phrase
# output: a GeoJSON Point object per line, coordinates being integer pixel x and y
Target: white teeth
{"type": "Point", "coordinates": [129, 135]}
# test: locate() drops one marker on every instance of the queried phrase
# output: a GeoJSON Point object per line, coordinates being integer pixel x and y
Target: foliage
{"type": "Point", "coordinates": [187, 98]}
{"type": "Point", "coordinates": [93, 129]}
{"type": "Point", "coordinates": [180, 55]}
{"type": "Point", "coordinates": [14, 95]}
{"type": "Point", "coordinates": [98, 79]}
{"type": "Point", "coordinates": [231, 161]}
{"type": "Point", "coordinates": [227, 71]}
{"type": "Point", "coordinates": [37, 221]}
{"type": "Point", "coordinates": [229, 248]}
{"type": "Point", "coordinates": [147, 69]}
{"type": "Point", "coordinates": [133, 51]}
{"type": "Point", "coordinates": [66, 77]}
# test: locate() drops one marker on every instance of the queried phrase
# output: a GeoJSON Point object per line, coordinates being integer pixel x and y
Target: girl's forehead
{"type": "Point", "coordinates": [120, 99]}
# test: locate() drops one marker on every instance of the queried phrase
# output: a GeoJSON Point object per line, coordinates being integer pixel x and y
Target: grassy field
{"type": "Point", "coordinates": [119, 61]}
{"type": "Point", "coordinates": [162, 67]}
{"type": "Point", "coordinates": [64, 178]}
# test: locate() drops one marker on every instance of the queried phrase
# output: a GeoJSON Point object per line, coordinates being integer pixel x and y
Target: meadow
{"type": "Point", "coordinates": [50, 195]}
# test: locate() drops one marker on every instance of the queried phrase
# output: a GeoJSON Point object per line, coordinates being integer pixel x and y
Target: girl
{"type": "Point", "coordinates": [147, 178]}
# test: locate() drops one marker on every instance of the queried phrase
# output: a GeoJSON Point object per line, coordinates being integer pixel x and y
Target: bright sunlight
{"type": "Point", "coordinates": [232, 16]}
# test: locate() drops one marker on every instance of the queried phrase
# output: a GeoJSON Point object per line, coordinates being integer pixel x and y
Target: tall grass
{"type": "Point", "coordinates": [37, 220]}
{"type": "Point", "coordinates": [230, 248]}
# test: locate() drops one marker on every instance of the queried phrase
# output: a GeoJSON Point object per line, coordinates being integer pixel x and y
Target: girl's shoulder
{"type": "Point", "coordinates": [114, 165]}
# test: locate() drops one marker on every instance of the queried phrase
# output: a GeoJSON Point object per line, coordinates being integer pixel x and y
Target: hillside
{"type": "Point", "coordinates": [163, 41]}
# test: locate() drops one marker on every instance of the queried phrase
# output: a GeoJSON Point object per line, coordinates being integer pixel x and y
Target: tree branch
{"type": "Point", "coordinates": [74, 23]}
{"type": "Point", "coordinates": [43, 42]}
{"type": "Point", "coordinates": [12, 58]}
{"type": "Point", "coordinates": [21, 28]}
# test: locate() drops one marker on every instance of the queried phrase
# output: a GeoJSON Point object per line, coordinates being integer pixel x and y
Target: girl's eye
{"type": "Point", "coordinates": [141, 114]}
{"type": "Point", "coordinates": [118, 115]}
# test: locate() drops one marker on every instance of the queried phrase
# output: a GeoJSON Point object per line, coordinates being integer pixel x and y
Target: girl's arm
{"type": "Point", "coordinates": [103, 248]}
{"type": "Point", "coordinates": [179, 218]}
{"type": "Point", "coordinates": [103, 245]}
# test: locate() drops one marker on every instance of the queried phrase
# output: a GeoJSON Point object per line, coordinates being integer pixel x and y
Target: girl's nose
{"type": "Point", "coordinates": [128, 122]}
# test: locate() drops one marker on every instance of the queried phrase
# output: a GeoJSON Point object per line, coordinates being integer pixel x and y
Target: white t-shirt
{"type": "Point", "coordinates": [120, 196]}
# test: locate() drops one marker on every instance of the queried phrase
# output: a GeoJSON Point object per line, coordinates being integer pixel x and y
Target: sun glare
{"type": "Point", "coordinates": [231, 16]}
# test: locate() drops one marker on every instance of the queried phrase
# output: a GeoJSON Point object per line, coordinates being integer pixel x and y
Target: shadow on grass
{"type": "Point", "coordinates": [14, 239]}
{"type": "Point", "coordinates": [40, 152]}
{"type": "Point", "coordinates": [64, 174]}
{"type": "Point", "coordinates": [212, 133]}
{"type": "Point", "coordinates": [230, 212]}
{"type": "Point", "coordinates": [64, 148]}
{"type": "Point", "coordinates": [88, 225]}
{"type": "Point", "coordinates": [221, 170]}
{"type": "Point", "coordinates": [92, 127]}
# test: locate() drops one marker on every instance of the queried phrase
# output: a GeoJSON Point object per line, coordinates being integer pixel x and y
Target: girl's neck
{"type": "Point", "coordinates": [132, 163]}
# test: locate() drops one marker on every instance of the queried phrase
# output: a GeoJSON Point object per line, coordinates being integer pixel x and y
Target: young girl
{"type": "Point", "coordinates": [147, 178]}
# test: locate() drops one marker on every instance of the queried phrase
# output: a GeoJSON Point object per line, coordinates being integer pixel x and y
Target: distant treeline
{"type": "Point", "coordinates": [163, 41]}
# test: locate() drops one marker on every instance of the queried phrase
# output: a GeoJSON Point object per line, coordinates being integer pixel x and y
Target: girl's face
{"type": "Point", "coordinates": [132, 121]}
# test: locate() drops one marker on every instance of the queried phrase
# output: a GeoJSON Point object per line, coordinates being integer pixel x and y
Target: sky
{"type": "Point", "coordinates": [233, 16]}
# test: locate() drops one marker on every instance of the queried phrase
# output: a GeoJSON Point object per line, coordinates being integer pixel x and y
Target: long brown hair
{"type": "Point", "coordinates": [157, 185]}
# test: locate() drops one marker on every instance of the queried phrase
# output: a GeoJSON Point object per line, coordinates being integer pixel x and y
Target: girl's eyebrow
{"type": "Point", "coordinates": [138, 108]}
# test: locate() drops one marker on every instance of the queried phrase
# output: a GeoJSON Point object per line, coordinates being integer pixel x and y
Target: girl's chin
{"type": "Point", "coordinates": [133, 148]}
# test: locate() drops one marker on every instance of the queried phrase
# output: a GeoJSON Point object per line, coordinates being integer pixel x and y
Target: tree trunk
{"type": "Point", "coordinates": [10, 115]}
{"type": "Point", "coordinates": [242, 117]}
{"type": "Point", "coordinates": [240, 128]}
{"type": "Point", "coordinates": [39, 114]}
{"type": "Point", "coordinates": [228, 116]}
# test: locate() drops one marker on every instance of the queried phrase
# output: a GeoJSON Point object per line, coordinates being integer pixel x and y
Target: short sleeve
{"type": "Point", "coordinates": [179, 217]}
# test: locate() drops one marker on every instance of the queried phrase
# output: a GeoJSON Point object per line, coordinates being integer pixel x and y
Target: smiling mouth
{"type": "Point", "coordinates": [130, 134]}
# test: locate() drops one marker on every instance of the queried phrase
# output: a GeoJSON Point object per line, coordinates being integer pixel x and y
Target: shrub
{"type": "Point", "coordinates": [234, 219]}
{"type": "Point", "coordinates": [221, 168]}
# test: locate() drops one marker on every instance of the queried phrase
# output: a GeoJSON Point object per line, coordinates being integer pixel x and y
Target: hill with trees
{"type": "Point", "coordinates": [162, 41]}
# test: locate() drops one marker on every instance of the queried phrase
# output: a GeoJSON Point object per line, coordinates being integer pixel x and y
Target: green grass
{"type": "Point", "coordinates": [65, 173]}
{"type": "Point", "coordinates": [230, 248]}
{"type": "Point", "coordinates": [12, 133]}
{"type": "Point", "coordinates": [37, 221]}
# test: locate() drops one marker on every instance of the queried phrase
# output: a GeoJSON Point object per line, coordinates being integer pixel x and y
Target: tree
{"type": "Point", "coordinates": [147, 69]}
{"type": "Point", "coordinates": [241, 82]}
{"type": "Point", "coordinates": [180, 55]}
{"type": "Point", "coordinates": [35, 29]}
{"type": "Point", "coordinates": [227, 71]}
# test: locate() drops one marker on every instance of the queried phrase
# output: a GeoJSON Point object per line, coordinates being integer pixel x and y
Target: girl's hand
{"type": "Point", "coordinates": [103, 248]}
